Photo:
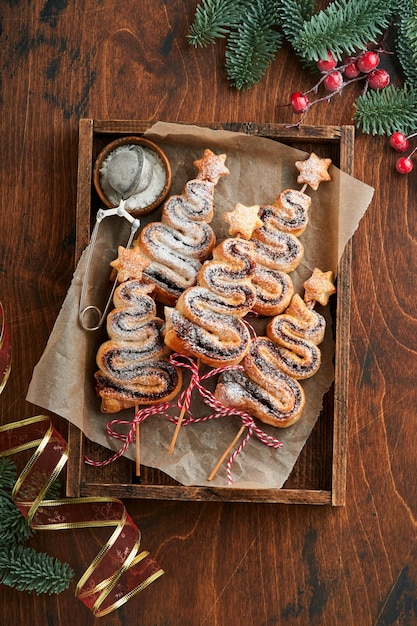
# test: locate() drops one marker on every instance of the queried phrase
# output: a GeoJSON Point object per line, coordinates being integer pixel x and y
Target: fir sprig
{"type": "Point", "coordinates": [20, 567]}
{"type": "Point", "coordinates": [13, 526]}
{"type": "Point", "coordinates": [343, 27]}
{"type": "Point", "coordinates": [214, 19]}
{"type": "Point", "coordinates": [406, 46]}
{"type": "Point", "coordinates": [25, 569]}
{"type": "Point", "coordinates": [293, 14]}
{"type": "Point", "coordinates": [8, 474]}
{"type": "Point", "coordinates": [255, 31]}
{"type": "Point", "coordinates": [384, 112]}
{"type": "Point", "coordinates": [253, 46]}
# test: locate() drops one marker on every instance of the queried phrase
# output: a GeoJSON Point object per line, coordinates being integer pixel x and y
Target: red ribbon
{"type": "Point", "coordinates": [5, 350]}
{"type": "Point", "coordinates": [119, 571]}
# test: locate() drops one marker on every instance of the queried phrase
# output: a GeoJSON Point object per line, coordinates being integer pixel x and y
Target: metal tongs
{"type": "Point", "coordinates": [125, 188]}
{"type": "Point", "coordinates": [120, 211]}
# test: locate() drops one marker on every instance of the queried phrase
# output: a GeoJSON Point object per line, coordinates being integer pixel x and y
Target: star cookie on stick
{"type": "Point", "coordinates": [313, 171]}
{"type": "Point", "coordinates": [130, 263]}
{"type": "Point", "coordinates": [211, 166]}
{"type": "Point", "coordinates": [243, 220]}
{"type": "Point", "coordinates": [319, 287]}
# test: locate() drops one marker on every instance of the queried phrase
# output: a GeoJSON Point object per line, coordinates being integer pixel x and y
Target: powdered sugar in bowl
{"type": "Point", "coordinates": [134, 169]}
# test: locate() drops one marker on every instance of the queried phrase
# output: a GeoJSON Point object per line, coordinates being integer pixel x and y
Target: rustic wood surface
{"type": "Point", "coordinates": [225, 563]}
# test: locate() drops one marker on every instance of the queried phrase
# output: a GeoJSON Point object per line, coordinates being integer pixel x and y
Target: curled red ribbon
{"type": "Point", "coordinates": [5, 350]}
{"type": "Point", "coordinates": [119, 571]}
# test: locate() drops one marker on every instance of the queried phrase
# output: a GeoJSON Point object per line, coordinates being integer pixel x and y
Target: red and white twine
{"type": "Point", "coordinates": [130, 437]}
{"type": "Point", "coordinates": [184, 401]}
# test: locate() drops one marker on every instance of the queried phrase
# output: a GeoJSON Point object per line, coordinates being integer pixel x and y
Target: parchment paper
{"type": "Point", "coordinates": [260, 169]}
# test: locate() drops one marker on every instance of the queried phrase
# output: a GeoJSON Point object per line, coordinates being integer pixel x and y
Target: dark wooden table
{"type": "Point", "coordinates": [225, 563]}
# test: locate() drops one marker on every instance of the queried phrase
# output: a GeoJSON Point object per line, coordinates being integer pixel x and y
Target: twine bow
{"type": "Point", "coordinates": [220, 409]}
{"type": "Point", "coordinates": [183, 404]}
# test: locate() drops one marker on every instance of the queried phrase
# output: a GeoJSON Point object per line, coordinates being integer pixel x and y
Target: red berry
{"type": "Point", "coordinates": [404, 165]}
{"type": "Point", "coordinates": [351, 70]}
{"type": "Point", "coordinates": [367, 61]}
{"type": "Point", "coordinates": [399, 142]}
{"type": "Point", "coordinates": [378, 79]}
{"type": "Point", "coordinates": [333, 81]}
{"type": "Point", "coordinates": [325, 65]}
{"type": "Point", "coordinates": [299, 102]}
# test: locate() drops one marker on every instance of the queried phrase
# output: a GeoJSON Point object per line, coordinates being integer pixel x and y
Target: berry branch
{"type": "Point", "coordinates": [363, 66]}
{"type": "Point", "coordinates": [340, 41]}
{"type": "Point", "coordinates": [400, 143]}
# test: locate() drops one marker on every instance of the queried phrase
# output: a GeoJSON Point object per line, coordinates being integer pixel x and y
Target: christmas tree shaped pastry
{"type": "Point", "coordinates": [268, 388]}
{"type": "Point", "coordinates": [178, 244]}
{"type": "Point", "coordinates": [277, 248]}
{"type": "Point", "coordinates": [207, 320]}
{"type": "Point", "coordinates": [133, 363]}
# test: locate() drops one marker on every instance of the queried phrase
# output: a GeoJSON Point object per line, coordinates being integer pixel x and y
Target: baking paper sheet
{"type": "Point", "coordinates": [260, 169]}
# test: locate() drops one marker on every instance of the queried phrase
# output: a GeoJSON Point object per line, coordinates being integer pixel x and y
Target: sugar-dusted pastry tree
{"type": "Point", "coordinates": [134, 369]}
{"type": "Point", "coordinates": [133, 363]}
{"type": "Point", "coordinates": [249, 272]}
{"type": "Point", "coordinates": [183, 238]}
{"type": "Point", "coordinates": [267, 385]}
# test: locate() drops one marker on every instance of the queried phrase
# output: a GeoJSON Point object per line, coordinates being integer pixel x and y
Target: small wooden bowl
{"type": "Point", "coordinates": [145, 143]}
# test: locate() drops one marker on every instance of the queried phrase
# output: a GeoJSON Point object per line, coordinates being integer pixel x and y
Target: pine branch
{"type": "Point", "coordinates": [344, 26]}
{"type": "Point", "coordinates": [406, 40]}
{"type": "Point", "coordinates": [213, 20]}
{"type": "Point", "coordinates": [8, 474]}
{"type": "Point", "coordinates": [13, 526]}
{"type": "Point", "coordinates": [27, 570]}
{"type": "Point", "coordinates": [387, 111]}
{"type": "Point", "coordinates": [293, 14]}
{"type": "Point", "coordinates": [253, 46]}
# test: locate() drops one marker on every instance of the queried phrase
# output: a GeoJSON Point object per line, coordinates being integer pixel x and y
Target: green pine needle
{"type": "Point", "coordinates": [253, 46]}
{"type": "Point", "coordinates": [384, 112]}
{"type": "Point", "coordinates": [25, 569]}
{"type": "Point", "coordinates": [8, 474]}
{"type": "Point", "coordinates": [213, 20]}
{"type": "Point", "coordinates": [343, 27]}
{"type": "Point", "coordinates": [293, 14]}
{"type": "Point", "coordinates": [21, 567]}
{"type": "Point", "coordinates": [13, 526]}
{"type": "Point", "coordinates": [406, 48]}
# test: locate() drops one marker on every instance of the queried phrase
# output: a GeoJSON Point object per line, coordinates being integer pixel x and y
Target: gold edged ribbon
{"type": "Point", "coordinates": [5, 350]}
{"type": "Point", "coordinates": [119, 571]}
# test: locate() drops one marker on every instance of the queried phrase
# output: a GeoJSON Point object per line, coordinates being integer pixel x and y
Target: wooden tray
{"type": "Point", "coordinates": [319, 476]}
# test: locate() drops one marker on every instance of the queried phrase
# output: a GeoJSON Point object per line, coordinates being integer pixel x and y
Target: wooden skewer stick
{"type": "Point", "coordinates": [177, 430]}
{"type": "Point", "coordinates": [179, 422]}
{"type": "Point", "coordinates": [137, 439]}
{"type": "Point", "coordinates": [227, 452]}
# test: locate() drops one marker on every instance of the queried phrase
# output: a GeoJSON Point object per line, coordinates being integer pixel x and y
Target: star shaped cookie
{"type": "Point", "coordinates": [319, 287]}
{"type": "Point", "coordinates": [130, 263]}
{"type": "Point", "coordinates": [211, 166]}
{"type": "Point", "coordinates": [313, 170]}
{"type": "Point", "coordinates": [243, 220]}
